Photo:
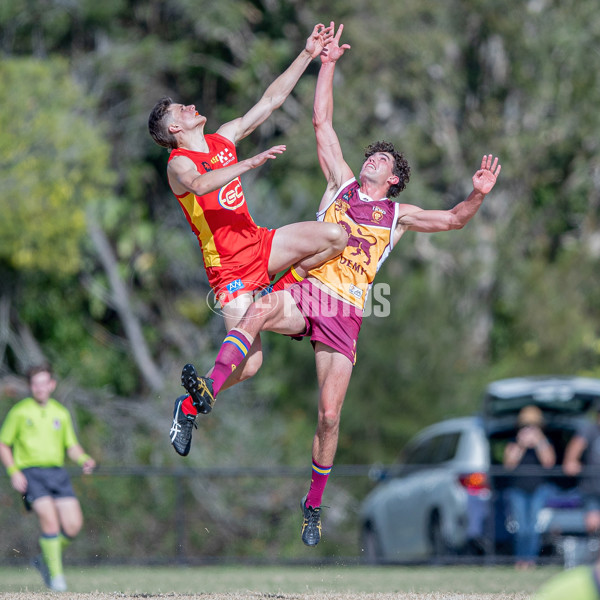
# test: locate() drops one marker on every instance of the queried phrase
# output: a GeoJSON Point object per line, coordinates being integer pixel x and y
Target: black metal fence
{"type": "Point", "coordinates": [145, 515]}
{"type": "Point", "coordinates": [148, 515]}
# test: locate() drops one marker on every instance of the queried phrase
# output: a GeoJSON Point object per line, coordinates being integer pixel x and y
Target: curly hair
{"type": "Point", "coordinates": [401, 166]}
{"type": "Point", "coordinates": [157, 124]}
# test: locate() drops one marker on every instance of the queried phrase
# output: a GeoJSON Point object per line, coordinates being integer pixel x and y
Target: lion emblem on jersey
{"type": "Point", "coordinates": [378, 214]}
{"type": "Point", "coordinates": [360, 241]}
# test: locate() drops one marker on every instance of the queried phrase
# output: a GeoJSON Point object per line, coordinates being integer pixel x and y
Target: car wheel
{"type": "Point", "coordinates": [439, 548]}
{"type": "Point", "coordinates": [370, 546]}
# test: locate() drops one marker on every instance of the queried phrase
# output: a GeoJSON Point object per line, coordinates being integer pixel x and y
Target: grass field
{"type": "Point", "coordinates": [294, 583]}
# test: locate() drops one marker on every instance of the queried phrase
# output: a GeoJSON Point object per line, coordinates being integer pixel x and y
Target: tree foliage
{"type": "Point", "coordinates": [55, 162]}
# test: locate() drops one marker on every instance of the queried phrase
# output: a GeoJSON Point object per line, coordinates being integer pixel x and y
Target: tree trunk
{"type": "Point", "coordinates": [120, 301]}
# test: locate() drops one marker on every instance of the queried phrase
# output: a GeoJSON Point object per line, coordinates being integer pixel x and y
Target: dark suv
{"type": "Point", "coordinates": [445, 495]}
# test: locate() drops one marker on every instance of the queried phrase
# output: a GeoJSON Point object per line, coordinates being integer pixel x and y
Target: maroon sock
{"type": "Point", "coordinates": [318, 482]}
{"type": "Point", "coordinates": [233, 350]}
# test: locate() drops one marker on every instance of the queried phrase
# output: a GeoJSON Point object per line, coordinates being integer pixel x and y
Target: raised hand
{"type": "Point", "coordinates": [320, 37]}
{"type": "Point", "coordinates": [333, 51]}
{"type": "Point", "coordinates": [485, 178]}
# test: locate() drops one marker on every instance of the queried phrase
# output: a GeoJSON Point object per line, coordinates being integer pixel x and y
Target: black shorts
{"type": "Point", "coordinates": [47, 481]}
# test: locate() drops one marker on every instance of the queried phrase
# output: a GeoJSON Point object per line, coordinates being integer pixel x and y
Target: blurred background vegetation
{"type": "Point", "coordinates": [100, 274]}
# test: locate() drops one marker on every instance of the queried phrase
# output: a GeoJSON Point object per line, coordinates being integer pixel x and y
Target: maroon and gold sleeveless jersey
{"type": "Point", "coordinates": [370, 225]}
{"type": "Point", "coordinates": [227, 234]}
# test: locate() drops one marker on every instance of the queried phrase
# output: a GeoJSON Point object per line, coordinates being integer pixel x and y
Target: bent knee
{"type": "Point", "coordinates": [72, 530]}
{"type": "Point", "coordinates": [334, 235]}
{"type": "Point", "coordinates": [72, 526]}
{"type": "Point", "coordinates": [339, 237]}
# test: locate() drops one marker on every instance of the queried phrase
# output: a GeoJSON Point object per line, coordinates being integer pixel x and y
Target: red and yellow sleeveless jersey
{"type": "Point", "coordinates": [370, 225]}
{"type": "Point", "coordinates": [220, 219]}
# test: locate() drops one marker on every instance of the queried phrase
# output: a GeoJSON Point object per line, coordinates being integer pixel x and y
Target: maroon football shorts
{"type": "Point", "coordinates": [329, 320]}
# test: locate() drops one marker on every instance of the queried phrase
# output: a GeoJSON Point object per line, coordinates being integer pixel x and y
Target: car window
{"type": "Point", "coordinates": [420, 454]}
{"type": "Point", "coordinates": [450, 446]}
{"type": "Point", "coordinates": [437, 449]}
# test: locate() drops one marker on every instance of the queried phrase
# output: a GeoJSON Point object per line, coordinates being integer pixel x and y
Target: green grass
{"type": "Point", "coordinates": [285, 580]}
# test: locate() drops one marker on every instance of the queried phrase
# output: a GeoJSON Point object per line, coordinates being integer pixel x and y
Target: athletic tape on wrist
{"type": "Point", "coordinates": [82, 459]}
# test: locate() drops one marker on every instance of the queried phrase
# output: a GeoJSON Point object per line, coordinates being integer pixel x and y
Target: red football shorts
{"type": "Point", "coordinates": [230, 281]}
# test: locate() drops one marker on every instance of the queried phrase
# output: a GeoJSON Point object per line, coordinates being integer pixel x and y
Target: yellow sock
{"type": "Point", "coordinates": [65, 540]}
{"type": "Point", "coordinates": [52, 552]}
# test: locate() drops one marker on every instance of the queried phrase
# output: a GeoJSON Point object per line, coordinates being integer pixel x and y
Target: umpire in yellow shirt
{"type": "Point", "coordinates": [34, 437]}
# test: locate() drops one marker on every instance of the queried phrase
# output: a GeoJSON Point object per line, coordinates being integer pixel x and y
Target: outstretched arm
{"type": "Point", "coordinates": [329, 151]}
{"type": "Point", "coordinates": [430, 221]}
{"type": "Point", "coordinates": [185, 177]}
{"type": "Point", "coordinates": [280, 89]}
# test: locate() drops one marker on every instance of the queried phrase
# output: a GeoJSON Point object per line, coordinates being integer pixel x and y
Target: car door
{"type": "Point", "coordinates": [411, 497]}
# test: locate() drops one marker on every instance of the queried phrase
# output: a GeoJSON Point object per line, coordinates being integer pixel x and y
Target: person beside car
{"type": "Point", "coordinates": [528, 487]}
{"type": "Point", "coordinates": [584, 450]}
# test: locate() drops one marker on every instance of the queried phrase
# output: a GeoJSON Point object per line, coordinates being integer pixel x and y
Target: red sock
{"type": "Point", "coordinates": [318, 482]}
{"type": "Point", "coordinates": [233, 350]}
{"type": "Point", "coordinates": [288, 278]}
{"type": "Point", "coordinates": [187, 407]}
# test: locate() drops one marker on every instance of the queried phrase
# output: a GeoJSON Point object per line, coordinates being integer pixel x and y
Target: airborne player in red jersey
{"type": "Point", "coordinates": [203, 170]}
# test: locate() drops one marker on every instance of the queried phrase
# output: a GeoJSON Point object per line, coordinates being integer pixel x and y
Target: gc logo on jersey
{"type": "Point", "coordinates": [231, 196]}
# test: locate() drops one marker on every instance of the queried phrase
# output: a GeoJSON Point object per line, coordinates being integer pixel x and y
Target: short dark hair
{"type": "Point", "coordinates": [157, 124]}
{"type": "Point", "coordinates": [401, 166]}
{"type": "Point", "coordinates": [41, 368]}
